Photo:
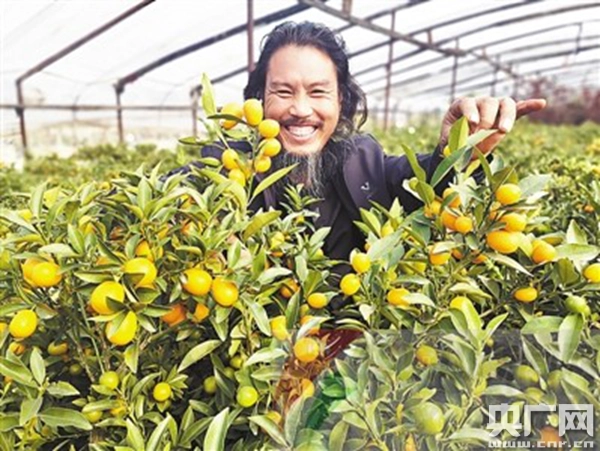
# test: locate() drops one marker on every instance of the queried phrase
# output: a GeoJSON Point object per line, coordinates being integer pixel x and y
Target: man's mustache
{"type": "Point", "coordinates": [294, 122]}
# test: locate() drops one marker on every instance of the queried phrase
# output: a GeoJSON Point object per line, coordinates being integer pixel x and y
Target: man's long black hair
{"type": "Point", "coordinates": [353, 112]}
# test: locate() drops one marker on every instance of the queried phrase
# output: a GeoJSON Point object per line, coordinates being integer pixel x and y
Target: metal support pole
{"type": "Point", "coordinates": [578, 38]}
{"type": "Point", "coordinates": [389, 75]}
{"type": "Point", "coordinates": [64, 52]}
{"type": "Point", "coordinates": [347, 7]}
{"type": "Point", "coordinates": [495, 80]}
{"type": "Point", "coordinates": [454, 70]}
{"type": "Point", "coordinates": [250, 32]}
{"type": "Point", "coordinates": [118, 92]}
{"type": "Point", "coordinates": [21, 113]}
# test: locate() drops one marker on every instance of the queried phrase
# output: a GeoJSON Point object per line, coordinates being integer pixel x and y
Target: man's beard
{"type": "Point", "coordinates": [313, 171]}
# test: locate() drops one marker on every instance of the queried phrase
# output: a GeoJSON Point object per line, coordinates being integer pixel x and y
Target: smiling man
{"type": "Point", "coordinates": [303, 78]}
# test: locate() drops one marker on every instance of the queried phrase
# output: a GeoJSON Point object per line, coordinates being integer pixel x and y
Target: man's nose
{"type": "Point", "coordinates": [301, 106]}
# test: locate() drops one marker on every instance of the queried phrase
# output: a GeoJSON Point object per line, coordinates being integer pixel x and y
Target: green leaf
{"type": "Point", "coordinates": [134, 436]}
{"type": "Point", "coordinates": [419, 298]}
{"type": "Point", "coordinates": [58, 249]}
{"type": "Point", "coordinates": [507, 261]}
{"type": "Point", "coordinates": [29, 409]}
{"type": "Point", "coordinates": [502, 390]}
{"type": "Point", "coordinates": [577, 252]}
{"type": "Point", "coordinates": [292, 420]}
{"type": "Point", "coordinates": [214, 176]}
{"type": "Point", "coordinates": [155, 438]}
{"type": "Point", "coordinates": [384, 246]}
{"type": "Point", "coordinates": [132, 354]}
{"type": "Point", "coordinates": [494, 323]}
{"type": "Point", "coordinates": [269, 426]}
{"type": "Point", "coordinates": [535, 357]}
{"type": "Point", "coordinates": [292, 311]}
{"type": "Point", "coordinates": [426, 192]}
{"type": "Point", "coordinates": [8, 421]}
{"type": "Point", "coordinates": [12, 307]}
{"type": "Point", "coordinates": [268, 181]}
{"type": "Point", "coordinates": [17, 371]}
{"type": "Point", "coordinates": [265, 355]}
{"type": "Point", "coordinates": [208, 96]}
{"type": "Point", "coordinates": [37, 365]}
{"type": "Point", "coordinates": [472, 317]}
{"type": "Point", "coordinates": [105, 404]}
{"type": "Point", "coordinates": [569, 334]}
{"type": "Point", "coordinates": [445, 166]}
{"type": "Point", "coordinates": [370, 220]}
{"type": "Point", "coordinates": [214, 439]}
{"type": "Point", "coordinates": [338, 436]}
{"type": "Point", "coordinates": [193, 431]}
{"type": "Point", "coordinates": [267, 373]}
{"type": "Point", "coordinates": [567, 273]}
{"type": "Point", "coordinates": [144, 194]}
{"type": "Point", "coordinates": [575, 235]}
{"type": "Point", "coordinates": [197, 353]}
{"type": "Point", "coordinates": [260, 317]}
{"type": "Point", "coordinates": [76, 239]}
{"type": "Point", "coordinates": [414, 163]}
{"type": "Point", "coordinates": [142, 384]}
{"type": "Point", "coordinates": [188, 419]}
{"type": "Point", "coordinates": [544, 324]}
{"type": "Point", "coordinates": [268, 276]}
{"type": "Point", "coordinates": [478, 137]}
{"type": "Point", "coordinates": [62, 389]}
{"type": "Point", "coordinates": [61, 417]}
{"type": "Point", "coordinates": [533, 184]}
{"type": "Point", "coordinates": [12, 216]}
{"type": "Point", "coordinates": [459, 132]}
{"type": "Point", "coordinates": [259, 222]}
{"type": "Point", "coordinates": [469, 289]}
{"type": "Point", "coordinates": [465, 435]}
{"type": "Point", "coordinates": [36, 202]}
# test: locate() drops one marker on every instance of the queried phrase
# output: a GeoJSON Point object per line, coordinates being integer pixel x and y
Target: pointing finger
{"type": "Point", "coordinates": [525, 107]}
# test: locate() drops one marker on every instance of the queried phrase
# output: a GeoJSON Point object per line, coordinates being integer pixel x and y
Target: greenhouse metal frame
{"type": "Point", "coordinates": [501, 65]}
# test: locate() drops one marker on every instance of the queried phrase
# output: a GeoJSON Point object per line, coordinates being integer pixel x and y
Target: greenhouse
{"type": "Point", "coordinates": [299, 224]}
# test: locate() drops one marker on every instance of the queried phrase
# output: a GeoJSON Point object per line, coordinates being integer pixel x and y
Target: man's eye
{"type": "Point", "coordinates": [319, 92]}
{"type": "Point", "coordinates": [284, 93]}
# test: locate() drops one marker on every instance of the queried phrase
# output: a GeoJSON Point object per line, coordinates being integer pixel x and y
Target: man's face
{"type": "Point", "coordinates": [301, 93]}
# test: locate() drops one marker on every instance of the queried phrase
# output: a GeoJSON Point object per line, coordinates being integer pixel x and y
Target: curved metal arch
{"type": "Point", "coordinates": [445, 70]}
{"type": "Point", "coordinates": [472, 31]}
{"type": "Point", "coordinates": [242, 69]}
{"type": "Point", "coordinates": [377, 15]}
{"type": "Point", "coordinates": [380, 14]}
{"type": "Point", "coordinates": [446, 23]}
{"type": "Point", "coordinates": [444, 87]}
{"type": "Point", "coordinates": [269, 18]}
{"type": "Point", "coordinates": [471, 88]}
{"type": "Point", "coordinates": [484, 46]}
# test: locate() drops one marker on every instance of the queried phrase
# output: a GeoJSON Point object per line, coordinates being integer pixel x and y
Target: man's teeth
{"type": "Point", "coordinates": [301, 131]}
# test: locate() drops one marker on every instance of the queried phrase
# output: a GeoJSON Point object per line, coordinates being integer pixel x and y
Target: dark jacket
{"type": "Point", "coordinates": [368, 175]}
{"type": "Point", "coordinates": [371, 175]}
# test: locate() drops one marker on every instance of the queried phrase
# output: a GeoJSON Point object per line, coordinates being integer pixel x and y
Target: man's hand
{"type": "Point", "coordinates": [484, 113]}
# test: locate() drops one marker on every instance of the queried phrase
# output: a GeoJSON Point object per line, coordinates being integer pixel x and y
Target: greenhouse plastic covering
{"type": "Point", "coordinates": [505, 31]}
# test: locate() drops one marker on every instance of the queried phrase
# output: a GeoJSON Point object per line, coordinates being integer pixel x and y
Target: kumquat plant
{"type": "Point", "coordinates": [155, 310]}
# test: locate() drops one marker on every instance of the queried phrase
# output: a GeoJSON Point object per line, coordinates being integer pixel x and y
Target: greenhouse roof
{"type": "Point", "coordinates": [132, 45]}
